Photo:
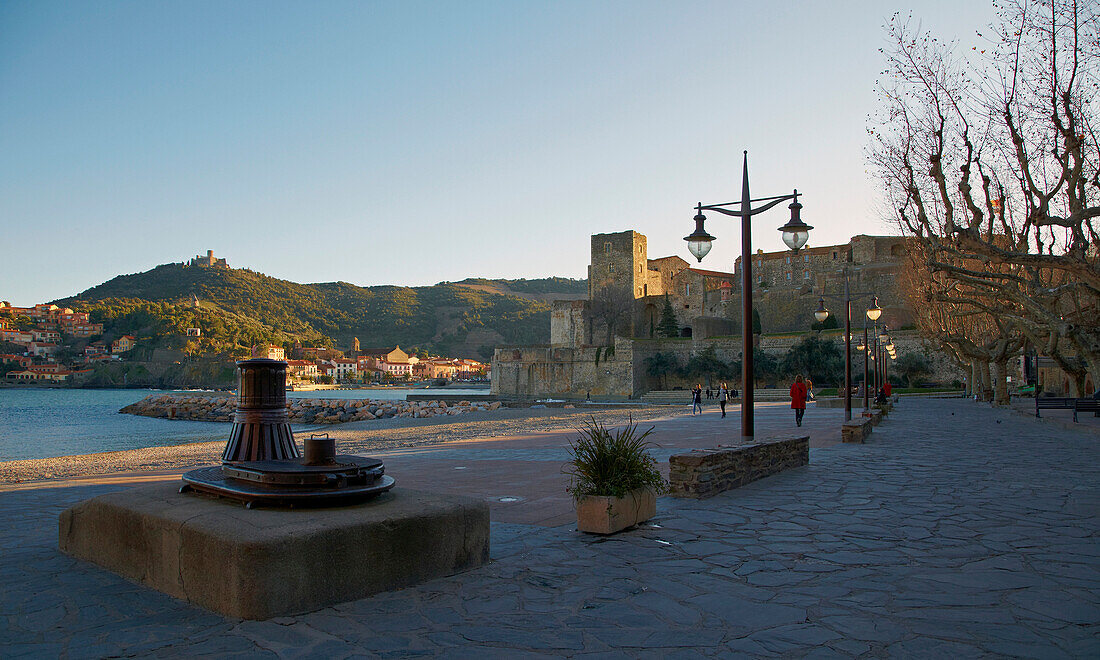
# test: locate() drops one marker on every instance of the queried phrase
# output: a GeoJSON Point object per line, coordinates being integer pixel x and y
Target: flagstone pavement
{"type": "Point", "coordinates": [958, 530]}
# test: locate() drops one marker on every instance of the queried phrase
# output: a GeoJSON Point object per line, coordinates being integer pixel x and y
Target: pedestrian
{"type": "Point", "coordinates": [723, 396]}
{"type": "Point", "coordinates": [888, 389]}
{"type": "Point", "coordinates": [798, 399]}
{"type": "Point", "coordinates": [697, 399]}
{"type": "Point", "coordinates": [809, 389]}
{"type": "Point", "coordinates": [708, 392]}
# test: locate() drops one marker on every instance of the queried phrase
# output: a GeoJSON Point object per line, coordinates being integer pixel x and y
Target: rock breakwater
{"type": "Point", "coordinates": [301, 411]}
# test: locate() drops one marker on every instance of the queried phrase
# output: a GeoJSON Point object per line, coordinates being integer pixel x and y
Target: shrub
{"type": "Point", "coordinates": [613, 463]}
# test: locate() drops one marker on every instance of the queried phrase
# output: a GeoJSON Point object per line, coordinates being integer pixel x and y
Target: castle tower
{"type": "Point", "coordinates": [355, 344]}
{"type": "Point", "coordinates": [618, 259]}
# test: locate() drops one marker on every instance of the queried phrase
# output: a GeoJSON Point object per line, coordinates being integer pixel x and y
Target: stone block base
{"type": "Point", "coordinates": [706, 472]}
{"type": "Point", "coordinates": [260, 563]}
{"type": "Point", "coordinates": [856, 430]}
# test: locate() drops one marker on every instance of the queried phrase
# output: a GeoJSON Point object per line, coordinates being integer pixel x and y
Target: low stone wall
{"type": "Point", "coordinates": [220, 408]}
{"type": "Point", "coordinates": [705, 472]}
{"type": "Point", "coordinates": [856, 430]}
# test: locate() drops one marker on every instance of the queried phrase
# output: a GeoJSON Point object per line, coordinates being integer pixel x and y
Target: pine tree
{"type": "Point", "coordinates": [668, 326]}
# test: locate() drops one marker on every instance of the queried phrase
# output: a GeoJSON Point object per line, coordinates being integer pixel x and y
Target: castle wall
{"type": "Point", "coordinates": [542, 371]}
{"type": "Point", "coordinates": [568, 323]}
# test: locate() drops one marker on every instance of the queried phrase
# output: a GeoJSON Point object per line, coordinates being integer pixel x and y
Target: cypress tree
{"type": "Point", "coordinates": [668, 327]}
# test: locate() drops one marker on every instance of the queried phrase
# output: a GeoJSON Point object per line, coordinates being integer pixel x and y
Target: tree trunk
{"type": "Point", "coordinates": [1000, 385]}
{"type": "Point", "coordinates": [974, 383]}
{"type": "Point", "coordinates": [986, 382]}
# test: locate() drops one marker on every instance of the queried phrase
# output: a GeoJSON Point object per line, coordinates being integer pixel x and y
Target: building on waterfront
{"type": "Point", "coordinates": [303, 369]}
{"type": "Point", "coordinates": [600, 345]}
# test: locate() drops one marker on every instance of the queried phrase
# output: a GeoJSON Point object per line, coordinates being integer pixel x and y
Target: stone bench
{"type": "Point", "coordinates": [702, 473]}
{"type": "Point", "coordinates": [856, 430]}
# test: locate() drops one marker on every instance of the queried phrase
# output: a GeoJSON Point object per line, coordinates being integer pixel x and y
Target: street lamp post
{"type": "Point", "coordinates": [795, 234]}
{"type": "Point", "coordinates": [821, 313]}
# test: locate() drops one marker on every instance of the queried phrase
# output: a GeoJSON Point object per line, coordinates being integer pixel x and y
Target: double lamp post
{"type": "Point", "coordinates": [795, 235]}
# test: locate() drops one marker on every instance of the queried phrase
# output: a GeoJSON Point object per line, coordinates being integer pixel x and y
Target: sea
{"type": "Point", "coordinates": [44, 423]}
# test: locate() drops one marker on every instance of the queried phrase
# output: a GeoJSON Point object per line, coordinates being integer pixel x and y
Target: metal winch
{"type": "Point", "coordinates": [261, 463]}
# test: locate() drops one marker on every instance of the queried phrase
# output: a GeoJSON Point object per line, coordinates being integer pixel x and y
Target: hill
{"type": "Point", "coordinates": [237, 308]}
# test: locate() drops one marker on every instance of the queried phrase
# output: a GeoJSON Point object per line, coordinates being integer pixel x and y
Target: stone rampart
{"type": "Point", "coordinates": [705, 472]}
{"type": "Point", "coordinates": [302, 411]}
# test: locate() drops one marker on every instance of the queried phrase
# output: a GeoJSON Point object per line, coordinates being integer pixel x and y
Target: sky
{"type": "Point", "coordinates": [415, 142]}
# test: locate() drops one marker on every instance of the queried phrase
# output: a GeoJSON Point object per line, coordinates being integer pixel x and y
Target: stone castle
{"type": "Point", "coordinates": [208, 261]}
{"type": "Point", "coordinates": [599, 345]}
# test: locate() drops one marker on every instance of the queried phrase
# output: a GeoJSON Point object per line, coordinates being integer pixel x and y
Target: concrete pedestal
{"type": "Point", "coordinates": [261, 563]}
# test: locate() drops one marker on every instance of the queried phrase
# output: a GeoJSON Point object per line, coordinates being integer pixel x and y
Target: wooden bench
{"type": "Point", "coordinates": [1067, 403]}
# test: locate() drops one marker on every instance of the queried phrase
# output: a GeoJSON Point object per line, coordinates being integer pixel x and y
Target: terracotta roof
{"type": "Point", "coordinates": [712, 273]}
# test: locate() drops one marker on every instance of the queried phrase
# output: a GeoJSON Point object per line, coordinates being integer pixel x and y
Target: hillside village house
{"type": "Point", "coordinates": [123, 344]}
{"type": "Point", "coordinates": [22, 360]}
{"type": "Point", "coordinates": [43, 350]}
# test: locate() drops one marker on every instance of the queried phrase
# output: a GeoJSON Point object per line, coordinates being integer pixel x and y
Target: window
{"type": "Point", "coordinates": [687, 289]}
{"type": "Point", "coordinates": [607, 247]}
{"type": "Point", "coordinates": [834, 255]}
{"type": "Point", "coordinates": [611, 268]}
{"type": "Point", "coordinates": [788, 259]}
{"type": "Point", "coordinates": [806, 258]}
{"type": "Point", "coordinates": [806, 275]}
{"type": "Point", "coordinates": [788, 277]}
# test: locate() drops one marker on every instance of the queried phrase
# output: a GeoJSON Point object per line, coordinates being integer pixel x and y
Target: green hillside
{"type": "Point", "coordinates": [238, 308]}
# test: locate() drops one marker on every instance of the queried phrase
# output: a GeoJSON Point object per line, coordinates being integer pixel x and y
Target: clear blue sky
{"type": "Point", "coordinates": [415, 142]}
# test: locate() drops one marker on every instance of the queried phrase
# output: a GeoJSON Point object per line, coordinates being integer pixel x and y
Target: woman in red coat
{"type": "Point", "coordinates": [798, 399]}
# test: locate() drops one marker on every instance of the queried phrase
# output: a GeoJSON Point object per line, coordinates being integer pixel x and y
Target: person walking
{"type": "Point", "coordinates": [809, 389]}
{"type": "Point", "coordinates": [697, 399]}
{"type": "Point", "coordinates": [723, 396]}
{"type": "Point", "coordinates": [798, 399]}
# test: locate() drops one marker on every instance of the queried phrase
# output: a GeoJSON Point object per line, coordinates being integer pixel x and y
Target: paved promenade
{"type": "Point", "coordinates": [957, 531]}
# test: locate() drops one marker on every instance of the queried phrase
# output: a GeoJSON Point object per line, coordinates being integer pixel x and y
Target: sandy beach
{"type": "Point", "coordinates": [351, 438]}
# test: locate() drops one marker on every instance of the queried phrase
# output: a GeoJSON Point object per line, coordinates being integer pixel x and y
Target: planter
{"type": "Point", "coordinates": [603, 514]}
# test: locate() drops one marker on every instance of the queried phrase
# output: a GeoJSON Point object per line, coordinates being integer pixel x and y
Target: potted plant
{"type": "Point", "coordinates": [613, 479]}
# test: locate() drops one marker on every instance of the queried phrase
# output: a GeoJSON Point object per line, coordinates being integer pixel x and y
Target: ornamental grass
{"type": "Point", "coordinates": [611, 463]}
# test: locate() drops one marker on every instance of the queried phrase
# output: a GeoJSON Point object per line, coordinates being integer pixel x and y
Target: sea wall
{"type": "Point", "coordinates": [220, 408]}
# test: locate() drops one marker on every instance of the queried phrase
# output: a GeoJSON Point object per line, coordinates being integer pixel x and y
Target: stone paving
{"type": "Point", "coordinates": [958, 530]}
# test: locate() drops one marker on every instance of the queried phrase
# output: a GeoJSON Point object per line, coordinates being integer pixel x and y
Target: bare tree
{"type": "Point", "coordinates": [613, 306]}
{"type": "Point", "coordinates": [991, 160]}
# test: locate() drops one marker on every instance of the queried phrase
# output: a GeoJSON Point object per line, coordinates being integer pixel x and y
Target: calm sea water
{"type": "Point", "coordinates": [42, 423]}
